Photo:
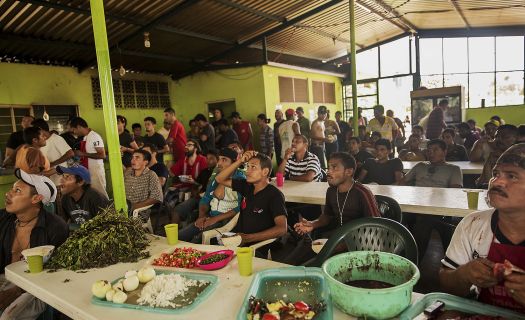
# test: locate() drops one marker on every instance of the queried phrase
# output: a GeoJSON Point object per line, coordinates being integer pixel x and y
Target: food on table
{"type": "Point", "coordinates": [369, 284]}
{"type": "Point", "coordinates": [109, 238]}
{"type": "Point", "coordinates": [110, 294]}
{"type": "Point", "coordinates": [501, 270]}
{"type": "Point", "coordinates": [99, 288]}
{"type": "Point", "coordinates": [131, 281]}
{"type": "Point", "coordinates": [280, 310]}
{"type": "Point", "coordinates": [120, 297]}
{"type": "Point", "coordinates": [171, 290]}
{"type": "Point", "coordinates": [179, 258]}
{"type": "Point", "coordinates": [214, 258]}
{"type": "Point", "coordinates": [146, 274]}
{"type": "Point", "coordinates": [230, 239]}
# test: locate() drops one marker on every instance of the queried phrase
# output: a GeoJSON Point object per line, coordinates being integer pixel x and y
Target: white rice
{"type": "Point", "coordinates": [164, 288]}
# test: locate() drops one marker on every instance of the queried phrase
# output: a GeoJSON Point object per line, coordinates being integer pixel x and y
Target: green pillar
{"type": "Point", "coordinates": [108, 103]}
{"type": "Point", "coordinates": [353, 72]}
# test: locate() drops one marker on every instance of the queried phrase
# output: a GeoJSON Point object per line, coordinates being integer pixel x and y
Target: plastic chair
{"type": "Point", "coordinates": [389, 208]}
{"type": "Point", "coordinates": [375, 234]}
{"type": "Point", "coordinates": [147, 225]}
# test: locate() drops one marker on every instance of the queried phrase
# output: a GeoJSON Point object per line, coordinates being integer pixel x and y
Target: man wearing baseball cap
{"type": "Point", "coordinates": [219, 203]}
{"type": "Point", "coordinates": [25, 224]}
{"type": "Point", "coordinates": [485, 238]}
{"type": "Point", "coordinates": [80, 201]}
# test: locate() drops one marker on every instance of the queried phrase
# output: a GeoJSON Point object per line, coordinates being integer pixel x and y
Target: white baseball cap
{"type": "Point", "coordinates": [43, 185]}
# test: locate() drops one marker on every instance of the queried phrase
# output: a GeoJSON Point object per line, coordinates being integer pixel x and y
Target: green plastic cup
{"type": "Point", "coordinates": [172, 233]}
{"type": "Point", "coordinates": [472, 198]}
{"type": "Point", "coordinates": [35, 263]}
{"type": "Point", "coordinates": [244, 259]}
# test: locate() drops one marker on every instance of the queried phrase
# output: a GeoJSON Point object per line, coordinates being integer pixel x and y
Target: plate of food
{"type": "Point", "coordinates": [215, 260]}
{"type": "Point", "coordinates": [318, 244]}
{"type": "Point", "coordinates": [154, 291]}
{"type": "Point", "coordinates": [185, 257]}
{"type": "Point", "coordinates": [229, 239]}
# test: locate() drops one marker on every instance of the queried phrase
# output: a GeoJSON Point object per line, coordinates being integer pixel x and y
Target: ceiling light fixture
{"type": "Point", "coordinates": [147, 43]}
{"type": "Point", "coordinates": [323, 61]}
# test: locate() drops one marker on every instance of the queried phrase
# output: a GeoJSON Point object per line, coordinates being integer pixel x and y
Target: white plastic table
{"type": "Point", "coordinates": [467, 167]}
{"type": "Point", "coordinates": [423, 200]}
{"type": "Point", "coordinates": [73, 298]}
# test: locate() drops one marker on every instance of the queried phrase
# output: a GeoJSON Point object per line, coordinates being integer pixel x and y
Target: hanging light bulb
{"type": "Point", "coordinates": [122, 71]}
{"type": "Point", "coordinates": [147, 44]}
{"type": "Point", "coordinates": [45, 116]}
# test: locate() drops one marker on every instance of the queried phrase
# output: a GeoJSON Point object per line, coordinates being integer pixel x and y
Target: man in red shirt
{"type": "Point", "coordinates": [187, 169]}
{"type": "Point", "coordinates": [177, 136]}
{"type": "Point", "coordinates": [243, 130]}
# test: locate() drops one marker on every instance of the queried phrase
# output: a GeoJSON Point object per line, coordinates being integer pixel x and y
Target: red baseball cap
{"type": "Point", "coordinates": [290, 112]}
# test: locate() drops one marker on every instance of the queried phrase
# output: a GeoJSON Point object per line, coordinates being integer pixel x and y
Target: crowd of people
{"type": "Point", "coordinates": [221, 171]}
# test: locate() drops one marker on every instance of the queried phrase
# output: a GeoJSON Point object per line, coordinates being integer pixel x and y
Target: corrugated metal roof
{"type": "Point", "coordinates": [60, 31]}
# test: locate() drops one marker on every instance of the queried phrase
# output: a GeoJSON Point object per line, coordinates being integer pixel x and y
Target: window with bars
{"type": "Point", "coordinates": [293, 89]}
{"type": "Point", "coordinates": [10, 119]}
{"type": "Point", "coordinates": [140, 94]}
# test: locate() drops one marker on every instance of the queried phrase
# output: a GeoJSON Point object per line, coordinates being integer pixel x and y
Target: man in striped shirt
{"type": "Point", "coordinates": [299, 164]}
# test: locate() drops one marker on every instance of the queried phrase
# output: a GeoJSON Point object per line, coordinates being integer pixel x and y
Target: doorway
{"type": "Point", "coordinates": [227, 107]}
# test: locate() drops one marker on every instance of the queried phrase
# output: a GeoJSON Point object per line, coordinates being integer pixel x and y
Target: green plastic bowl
{"type": "Point", "coordinates": [371, 265]}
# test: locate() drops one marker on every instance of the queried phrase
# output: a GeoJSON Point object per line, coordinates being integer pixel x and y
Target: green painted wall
{"type": "Point", "coordinates": [511, 114]}
{"type": "Point", "coordinates": [25, 84]}
{"type": "Point", "coordinates": [244, 85]}
{"type": "Point", "coordinates": [271, 85]}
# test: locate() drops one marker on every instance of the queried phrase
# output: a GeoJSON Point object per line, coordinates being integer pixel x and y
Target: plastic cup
{"type": "Point", "coordinates": [279, 179]}
{"type": "Point", "coordinates": [244, 259]}
{"type": "Point", "coordinates": [172, 233]}
{"type": "Point", "coordinates": [35, 263]}
{"type": "Point", "coordinates": [472, 198]}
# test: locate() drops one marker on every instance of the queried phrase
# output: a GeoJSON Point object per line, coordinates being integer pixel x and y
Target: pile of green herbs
{"type": "Point", "coordinates": [109, 238]}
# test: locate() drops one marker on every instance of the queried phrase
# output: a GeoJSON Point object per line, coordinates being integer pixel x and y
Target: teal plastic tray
{"type": "Point", "coordinates": [288, 284]}
{"type": "Point", "coordinates": [458, 304]}
{"type": "Point", "coordinates": [191, 275]}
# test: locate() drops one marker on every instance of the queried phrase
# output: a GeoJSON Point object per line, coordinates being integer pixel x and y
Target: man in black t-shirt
{"type": "Point", "coordinates": [382, 170]}
{"type": "Point", "coordinates": [360, 156]}
{"type": "Point", "coordinates": [158, 167]}
{"type": "Point", "coordinates": [155, 138]}
{"type": "Point", "coordinates": [263, 212]}
{"type": "Point", "coordinates": [346, 200]}
{"type": "Point", "coordinates": [80, 202]}
{"type": "Point", "coordinates": [16, 139]}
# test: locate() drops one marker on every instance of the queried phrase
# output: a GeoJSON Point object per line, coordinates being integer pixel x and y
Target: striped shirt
{"type": "Point", "coordinates": [296, 168]}
{"type": "Point", "coordinates": [266, 141]}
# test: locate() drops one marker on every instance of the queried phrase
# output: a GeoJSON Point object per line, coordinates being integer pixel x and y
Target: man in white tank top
{"type": "Point", "coordinates": [317, 135]}
{"type": "Point", "coordinates": [287, 130]}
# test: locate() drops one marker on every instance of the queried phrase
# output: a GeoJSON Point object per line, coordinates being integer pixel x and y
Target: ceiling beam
{"type": "Point", "coordinates": [155, 22]}
{"type": "Point", "coordinates": [397, 16]}
{"type": "Point", "coordinates": [135, 22]}
{"type": "Point", "coordinates": [259, 37]}
{"type": "Point", "coordinates": [383, 16]}
{"type": "Point", "coordinates": [458, 10]}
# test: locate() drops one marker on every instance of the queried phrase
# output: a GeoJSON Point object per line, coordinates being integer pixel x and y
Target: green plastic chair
{"type": "Point", "coordinates": [389, 208]}
{"type": "Point", "coordinates": [371, 234]}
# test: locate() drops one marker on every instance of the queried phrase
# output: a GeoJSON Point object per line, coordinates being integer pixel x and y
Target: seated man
{"type": "Point", "coordinates": [419, 130]}
{"type": "Point", "coordinates": [382, 170]}
{"type": "Point", "coordinates": [25, 224]}
{"type": "Point", "coordinates": [346, 200]}
{"type": "Point", "coordinates": [142, 185]}
{"type": "Point", "coordinates": [191, 165]}
{"type": "Point", "coordinates": [492, 236]}
{"type": "Point", "coordinates": [455, 152]}
{"type": "Point", "coordinates": [411, 151]}
{"type": "Point", "coordinates": [29, 156]}
{"type": "Point", "coordinates": [219, 203]}
{"type": "Point", "coordinates": [158, 167]}
{"type": "Point", "coordinates": [185, 209]}
{"type": "Point", "coordinates": [360, 155]}
{"type": "Point", "coordinates": [263, 213]}
{"type": "Point", "coordinates": [505, 137]}
{"type": "Point", "coordinates": [301, 165]}
{"type": "Point", "coordinates": [80, 202]}
{"type": "Point", "coordinates": [470, 136]}
{"type": "Point", "coordinates": [433, 173]}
